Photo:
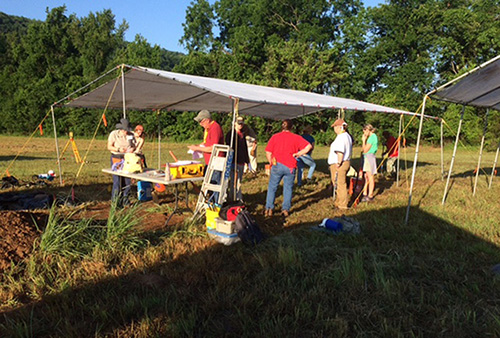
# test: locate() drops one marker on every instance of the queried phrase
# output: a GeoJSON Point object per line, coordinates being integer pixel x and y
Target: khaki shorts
{"type": "Point", "coordinates": [370, 164]}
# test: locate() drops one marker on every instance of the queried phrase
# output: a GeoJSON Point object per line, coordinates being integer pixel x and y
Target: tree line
{"type": "Point", "coordinates": [391, 54]}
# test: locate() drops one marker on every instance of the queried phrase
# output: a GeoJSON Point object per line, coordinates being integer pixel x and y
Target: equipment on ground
{"type": "Point", "coordinates": [76, 153]}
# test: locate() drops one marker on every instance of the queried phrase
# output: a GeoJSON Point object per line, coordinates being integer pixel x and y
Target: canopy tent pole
{"type": "Point", "coordinates": [480, 152]}
{"type": "Point", "coordinates": [416, 158]}
{"type": "Point", "coordinates": [235, 108]}
{"type": "Point", "coordinates": [454, 153]}
{"type": "Point", "coordinates": [57, 145]}
{"type": "Point", "coordinates": [123, 93]}
{"type": "Point", "coordinates": [159, 139]}
{"type": "Point", "coordinates": [494, 166]}
{"type": "Point", "coordinates": [399, 149]}
{"type": "Point", "coordinates": [442, 152]}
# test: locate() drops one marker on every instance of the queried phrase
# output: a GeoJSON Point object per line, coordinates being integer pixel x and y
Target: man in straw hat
{"type": "Point", "coordinates": [339, 160]}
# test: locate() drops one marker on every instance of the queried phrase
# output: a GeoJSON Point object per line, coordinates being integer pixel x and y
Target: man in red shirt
{"type": "Point", "coordinates": [213, 134]}
{"type": "Point", "coordinates": [391, 152]}
{"type": "Point", "coordinates": [282, 152]}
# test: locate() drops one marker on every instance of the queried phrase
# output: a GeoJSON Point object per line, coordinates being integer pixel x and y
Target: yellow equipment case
{"type": "Point", "coordinates": [186, 169]}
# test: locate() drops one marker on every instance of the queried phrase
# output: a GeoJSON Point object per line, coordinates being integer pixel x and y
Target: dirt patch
{"type": "Point", "coordinates": [19, 230]}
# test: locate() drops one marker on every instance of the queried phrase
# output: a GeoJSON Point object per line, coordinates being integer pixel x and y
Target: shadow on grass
{"type": "Point", "coordinates": [22, 158]}
{"type": "Point", "coordinates": [484, 172]}
{"type": "Point", "coordinates": [425, 278]}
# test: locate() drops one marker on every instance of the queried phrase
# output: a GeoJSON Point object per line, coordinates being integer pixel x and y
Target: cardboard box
{"type": "Point", "coordinates": [226, 227]}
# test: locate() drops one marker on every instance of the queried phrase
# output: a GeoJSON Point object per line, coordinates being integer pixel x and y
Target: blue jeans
{"type": "Point", "coordinates": [301, 163]}
{"type": "Point", "coordinates": [234, 191]}
{"type": "Point", "coordinates": [213, 196]}
{"type": "Point", "coordinates": [121, 188]}
{"type": "Point", "coordinates": [278, 172]}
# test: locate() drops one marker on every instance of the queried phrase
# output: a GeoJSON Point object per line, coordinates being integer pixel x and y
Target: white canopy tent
{"type": "Point", "coordinates": [479, 87]}
{"type": "Point", "coordinates": [144, 88]}
{"type": "Point", "coordinates": [151, 89]}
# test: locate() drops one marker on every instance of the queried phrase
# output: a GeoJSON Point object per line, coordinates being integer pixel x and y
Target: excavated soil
{"type": "Point", "coordinates": [18, 232]}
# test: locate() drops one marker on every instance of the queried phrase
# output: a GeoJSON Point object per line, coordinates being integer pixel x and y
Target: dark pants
{"type": "Point", "coordinates": [121, 185]}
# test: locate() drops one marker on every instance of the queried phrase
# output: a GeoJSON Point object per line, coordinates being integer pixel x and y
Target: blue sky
{"type": "Point", "coordinates": [159, 22]}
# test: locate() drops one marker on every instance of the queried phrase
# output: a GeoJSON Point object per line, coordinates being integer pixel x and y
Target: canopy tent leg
{"type": "Point", "coordinates": [494, 166]}
{"type": "Point", "coordinates": [453, 157]}
{"type": "Point", "coordinates": [442, 152]}
{"type": "Point", "coordinates": [480, 152]}
{"type": "Point", "coordinates": [159, 138]}
{"type": "Point", "coordinates": [399, 149]}
{"type": "Point", "coordinates": [416, 159]}
{"type": "Point", "coordinates": [233, 187]}
{"type": "Point", "coordinates": [123, 93]}
{"type": "Point", "coordinates": [57, 145]}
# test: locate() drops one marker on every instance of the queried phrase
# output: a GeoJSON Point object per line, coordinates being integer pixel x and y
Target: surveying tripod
{"type": "Point", "coordinates": [71, 141]}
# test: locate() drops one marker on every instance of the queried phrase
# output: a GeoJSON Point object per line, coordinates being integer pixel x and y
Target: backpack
{"type": "Point", "coordinates": [230, 210]}
{"type": "Point", "coordinates": [247, 229]}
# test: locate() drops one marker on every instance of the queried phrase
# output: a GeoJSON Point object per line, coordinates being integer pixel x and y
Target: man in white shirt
{"type": "Point", "coordinates": [339, 160]}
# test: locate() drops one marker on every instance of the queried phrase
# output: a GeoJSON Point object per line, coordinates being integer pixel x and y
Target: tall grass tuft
{"type": "Point", "coordinates": [121, 233]}
{"type": "Point", "coordinates": [66, 237]}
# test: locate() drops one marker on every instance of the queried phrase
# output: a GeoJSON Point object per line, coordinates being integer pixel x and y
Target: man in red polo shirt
{"type": "Point", "coordinates": [282, 152]}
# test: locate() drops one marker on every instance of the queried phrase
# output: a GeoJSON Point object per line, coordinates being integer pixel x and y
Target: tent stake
{"type": "Point", "coordinates": [480, 152]}
{"type": "Point", "coordinates": [416, 159]}
{"type": "Point", "coordinates": [453, 157]}
{"type": "Point", "coordinates": [57, 145]}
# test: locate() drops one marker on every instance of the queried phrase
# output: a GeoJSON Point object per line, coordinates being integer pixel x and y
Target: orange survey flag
{"type": "Point", "coordinates": [104, 120]}
{"type": "Point", "coordinates": [41, 129]}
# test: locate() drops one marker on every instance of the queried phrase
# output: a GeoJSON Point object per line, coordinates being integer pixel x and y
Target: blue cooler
{"type": "Point", "coordinates": [144, 191]}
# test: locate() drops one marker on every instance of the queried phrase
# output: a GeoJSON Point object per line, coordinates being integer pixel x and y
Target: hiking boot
{"type": "Point", "coordinates": [367, 199]}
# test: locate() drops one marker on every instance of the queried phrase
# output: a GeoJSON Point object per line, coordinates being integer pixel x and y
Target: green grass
{"type": "Point", "coordinates": [430, 277]}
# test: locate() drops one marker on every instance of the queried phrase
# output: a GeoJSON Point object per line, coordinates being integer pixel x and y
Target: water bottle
{"type": "Point", "coordinates": [332, 225]}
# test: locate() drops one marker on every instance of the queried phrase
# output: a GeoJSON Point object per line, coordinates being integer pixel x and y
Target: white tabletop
{"type": "Point", "coordinates": [153, 176]}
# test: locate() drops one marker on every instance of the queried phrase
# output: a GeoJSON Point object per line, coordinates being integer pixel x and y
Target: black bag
{"type": "Point", "coordinates": [9, 182]}
{"type": "Point", "coordinates": [247, 229]}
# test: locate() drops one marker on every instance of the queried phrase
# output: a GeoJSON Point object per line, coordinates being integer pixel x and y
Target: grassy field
{"type": "Point", "coordinates": [431, 277]}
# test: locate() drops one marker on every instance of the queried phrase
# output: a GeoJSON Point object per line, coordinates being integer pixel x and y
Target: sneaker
{"type": "Point", "coordinates": [285, 213]}
{"type": "Point", "coordinates": [366, 199]}
{"type": "Point", "coordinates": [268, 212]}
